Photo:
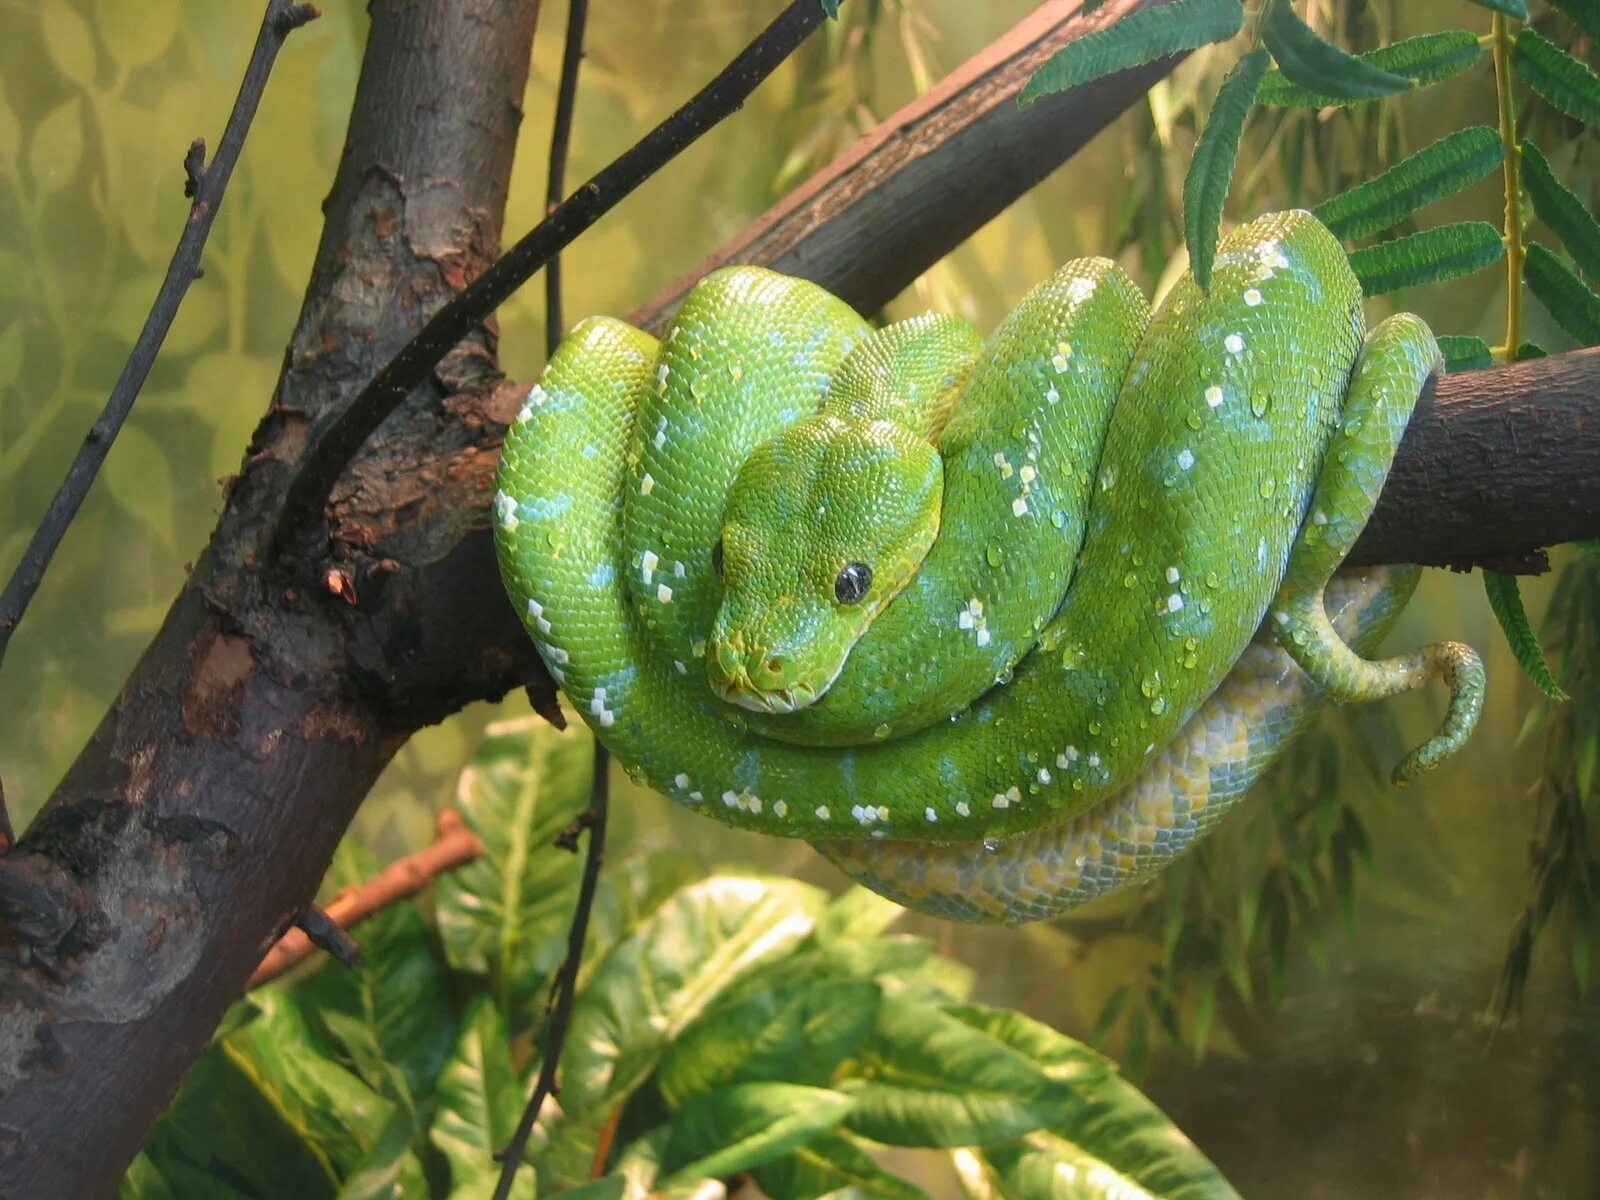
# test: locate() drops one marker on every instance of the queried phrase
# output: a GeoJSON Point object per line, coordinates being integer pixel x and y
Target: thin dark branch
{"type": "Point", "coordinates": [303, 507]}
{"type": "Point", "coordinates": [566, 983]}
{"type": "Point", "coordinates": [326, 934]}
{"type": "Point", "coordinates": [560, 139]}
{"type": "Point", "coordinates": [206, 184]}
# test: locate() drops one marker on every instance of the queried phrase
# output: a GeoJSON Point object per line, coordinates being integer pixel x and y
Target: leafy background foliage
{"type": "Point", "coordinates": [1312, 997]}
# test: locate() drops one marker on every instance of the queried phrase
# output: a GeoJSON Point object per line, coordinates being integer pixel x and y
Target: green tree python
{"type": "Point", "coordinates": [999, 624]}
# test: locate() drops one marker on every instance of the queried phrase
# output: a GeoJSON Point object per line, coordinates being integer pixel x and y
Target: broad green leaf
{"type": "Point", "coordinates": [855, 914]}
{"type": "Point", "coordinates": [1205, 187]}
{"type": "Point", "coordinates": [135, 34]}
{"type": "Point", "coordinates": [654, 983]}
{"type": "Point", "coordinates": [1511, 8]}
{"type": "Point", "coordinates": [390, 1013]}
{"type": "Point", "coordinates": [1061, 1058]}
{"type": "Point", "coordinates": [506, 913]}
{"type": "Point", "coordinates": [1464, 353]}
{"type": "Point", "coordinates": [829, 1165]}
{"type": "Point", "coordinates": [933, 1080]}
{"type": "Point", "coordinates": [391, 1169]}
{"type": "Point", "coordinates": [1529, 350]}
{"type": "Point", "coordinates": [1136, 39]}
{"type": "Point", "coordinates": [1426, 59]}
{"type": "Point", "coordinates": [55, 148]}
{"type": "Point", "coordinates": [745, 1126]}
{"type": "Point", "coordinates": [480, 1100]}
{"type": "Point", "coordinates": [1561, 209]}
{"type": "Point", "coordinates": [1567, 298]}
{"type": "Point", "coordinates": [139, 475]}
{"type": "Point", "coordinates": [1556, 75]}
{"type": "Point", "coordinates": [630, 890]}
{"type": "Point", "coordinates": [798, 1033]}
{"type": "Point", "coordinates": [143, 1181]}
{"type": "Point", "coordinates": [1320, 66]}
{"type": "Point", "coordinates": [1505, 598]}
{"type": "Point", "coordinates": [1584, 13]}
{"type": "Point", "coordinates": [1427, 257]}
{"type": "Point", "coordinates": [1448, 165]}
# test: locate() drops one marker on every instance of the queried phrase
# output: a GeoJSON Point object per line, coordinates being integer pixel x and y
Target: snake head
{"type": "Point", "coordinates": [824, 524]}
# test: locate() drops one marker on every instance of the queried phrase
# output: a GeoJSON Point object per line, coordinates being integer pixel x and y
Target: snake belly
{"type": "Point", "coordinates": [1121, 496]}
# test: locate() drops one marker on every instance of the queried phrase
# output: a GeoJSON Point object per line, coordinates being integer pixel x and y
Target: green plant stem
{"type": "Point", "coordinates": [1513, 187]}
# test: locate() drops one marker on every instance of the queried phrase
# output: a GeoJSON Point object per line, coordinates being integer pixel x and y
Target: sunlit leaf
{"type": "Point", "coordinates": [143, 1181]}
{"type": "Point", "coordinates": [480, 1099]}
{"type": "Point", "coordinates": [655, 982]}
{"type": "Point", "coordinates": [1462, 353]}
{"type": "Point", "coordinates": [1565, 297]}
{"type": "Point", "coordinates": [1446, 252]}
{"type": "Point", "coordinates": [1505, 599]}
{"type": "Point", "coordinates": [1448, 165]}
{"type": "Point", "coordinates": [1320, 66]}
{"type": "Point", "coordinates": [506, 913]}
{"type": "Point", "coordinates": [135, 34]}
{"type": "Point", "coordinates": [391, 1170]}
{"type": "Point", "coordinates": [828, 1165]}
{"type": "Point", "coordinates": [1561, 209]}
{"type": "Point", "coordinates": [1136, 39]}
{"type": "Point", "coordinates": [1205, 187]}
{"type": "Point", "coordinates": [934, 1080]}
{"type": "Point", "coordinates": [1556, 75]}
{"type": "Point", "coordinates": [1426, 59]}
{"type": "Point", "coordinates": [68, 41]}
{"type": "Point", "coordinates": [744, 1126]}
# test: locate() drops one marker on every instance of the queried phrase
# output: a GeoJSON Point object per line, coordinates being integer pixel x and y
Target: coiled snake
{"type": "Point", "coordinates": [999, 624]}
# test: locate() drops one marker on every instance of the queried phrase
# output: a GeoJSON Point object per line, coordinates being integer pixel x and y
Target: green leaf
{"type": "Point", "coordinates": [55, 148]}
{"type": "Point", "coordinates": [506, 913]}
{"type": "Point", "coordinates": [1427, 257]}
{"type": "Point", "coordinates": [934, 1080]}
{"type": "Point", "coordinates": [1136, 39]}
{"type": "Point", "coordinates": [391, 1169]}
{"type": "Point", "coordinates": [658, 980]}
{"type": "Point", "coordinates": [1556, 75]}
{"type": "Point", "coordinates": [1561, 209]}
{"type": "Point", "coordinates": [1062, 1059]}
{"type": "Point", "coordinates": [1511, 8]}
{"type": "Point", "coordinates": [1505, 598]}
{"type": "Point", "coordinates": [68, 42]}
{"type": "Point", "coordinates": [1320, 66]}
{"type": "Point", "coordinates": [745, 1126]}
{"type": "Point", "coordinates": [796, 1034]}
{"type": "Point", "coordinates": [1567, 298]}
{"type": "Point", "coordinates": [1425, 60]}
{"type": "Point", "coordinates": [136, 34]}
{"type": "Point", "coordinates": [1529, 350]}
{"type": "Point", "coordinates": [480, 1099]}
{"type": "Point", "coordinates": [1211, 169]}
{"type": "Point", "coordinates": [828, 1165]}
{"type": "Point", "coordinates": [1464, 353]}
{"type": "Point", "coordinates": [390, 1013]}
{"type": "Point", "coordinates": [856, 914]}
{"type": "Point", "coordinates": [1448, 165]}
{"type": "Point", "coordinates": [1584, 13]}
{"type": "Point", "coordinates": [144, 1182]}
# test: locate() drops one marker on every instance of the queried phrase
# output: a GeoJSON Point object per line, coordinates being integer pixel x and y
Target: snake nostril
{"type": "Point", "coordinates": [774, 664]}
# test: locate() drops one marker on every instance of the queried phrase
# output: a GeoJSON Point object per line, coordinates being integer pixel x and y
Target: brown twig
{"type": "Point", "coordinates": [206, 184]}
{"type": "Point", "coordinates": [302, 512]}
{"type": "Point", "coordinates": [454, 846]}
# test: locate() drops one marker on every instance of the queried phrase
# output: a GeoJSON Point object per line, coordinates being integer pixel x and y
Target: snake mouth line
{"type": "Point", "coordinates": [782, 700]}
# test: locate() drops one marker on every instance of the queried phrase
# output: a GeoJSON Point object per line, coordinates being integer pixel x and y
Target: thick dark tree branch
{"type": "Point", "coordinates": [206, 185]}
{"type": "Point", "coordinates": [308, 495]}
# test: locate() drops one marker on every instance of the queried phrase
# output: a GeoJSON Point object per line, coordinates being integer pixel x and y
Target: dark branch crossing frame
{"type": "Point", "coordinates": [202, 814]}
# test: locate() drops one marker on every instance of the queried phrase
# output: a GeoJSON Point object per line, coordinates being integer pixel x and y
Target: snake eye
{"type": "Point", "coordinates": [852, 583]}
{"type": "Point", "coordinates": [716, 558]}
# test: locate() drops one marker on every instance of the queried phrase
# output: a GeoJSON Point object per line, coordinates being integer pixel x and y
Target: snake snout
{"type": "Point", "coordinates": [759, 678]}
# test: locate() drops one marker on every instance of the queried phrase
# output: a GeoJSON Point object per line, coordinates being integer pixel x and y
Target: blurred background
{"type": "Point", "coordinates": [1313, 999]}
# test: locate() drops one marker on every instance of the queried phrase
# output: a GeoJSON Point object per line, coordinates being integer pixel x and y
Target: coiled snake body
{"type": "Point", "coordinates": [999, 624]}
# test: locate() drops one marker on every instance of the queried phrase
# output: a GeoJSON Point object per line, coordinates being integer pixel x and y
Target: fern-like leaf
{"type": "Point", "coordinates": [1211, 170]}
{"type": "Point", "coordinates": [1139, 38]}
{"type": "Point", "coordinates": [1561, 209]}
{"type": "Point", "coordinates": [1557, 76]}
{"type": "Point", "coordinates": [1464, 353]}
{"type": "Point", "coordinates": [1426, 59]}
{"type": "Point", "coordinates": [1448, 165]}
{"type": "Point", "coordinates": [1567, 298]}
{"type": "Point", "coordinates": [1321, 66]}
{"type": "Point", "coordinates": [1505, 598]}
{"type": "Point", "coordinates": [1427, 257]}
